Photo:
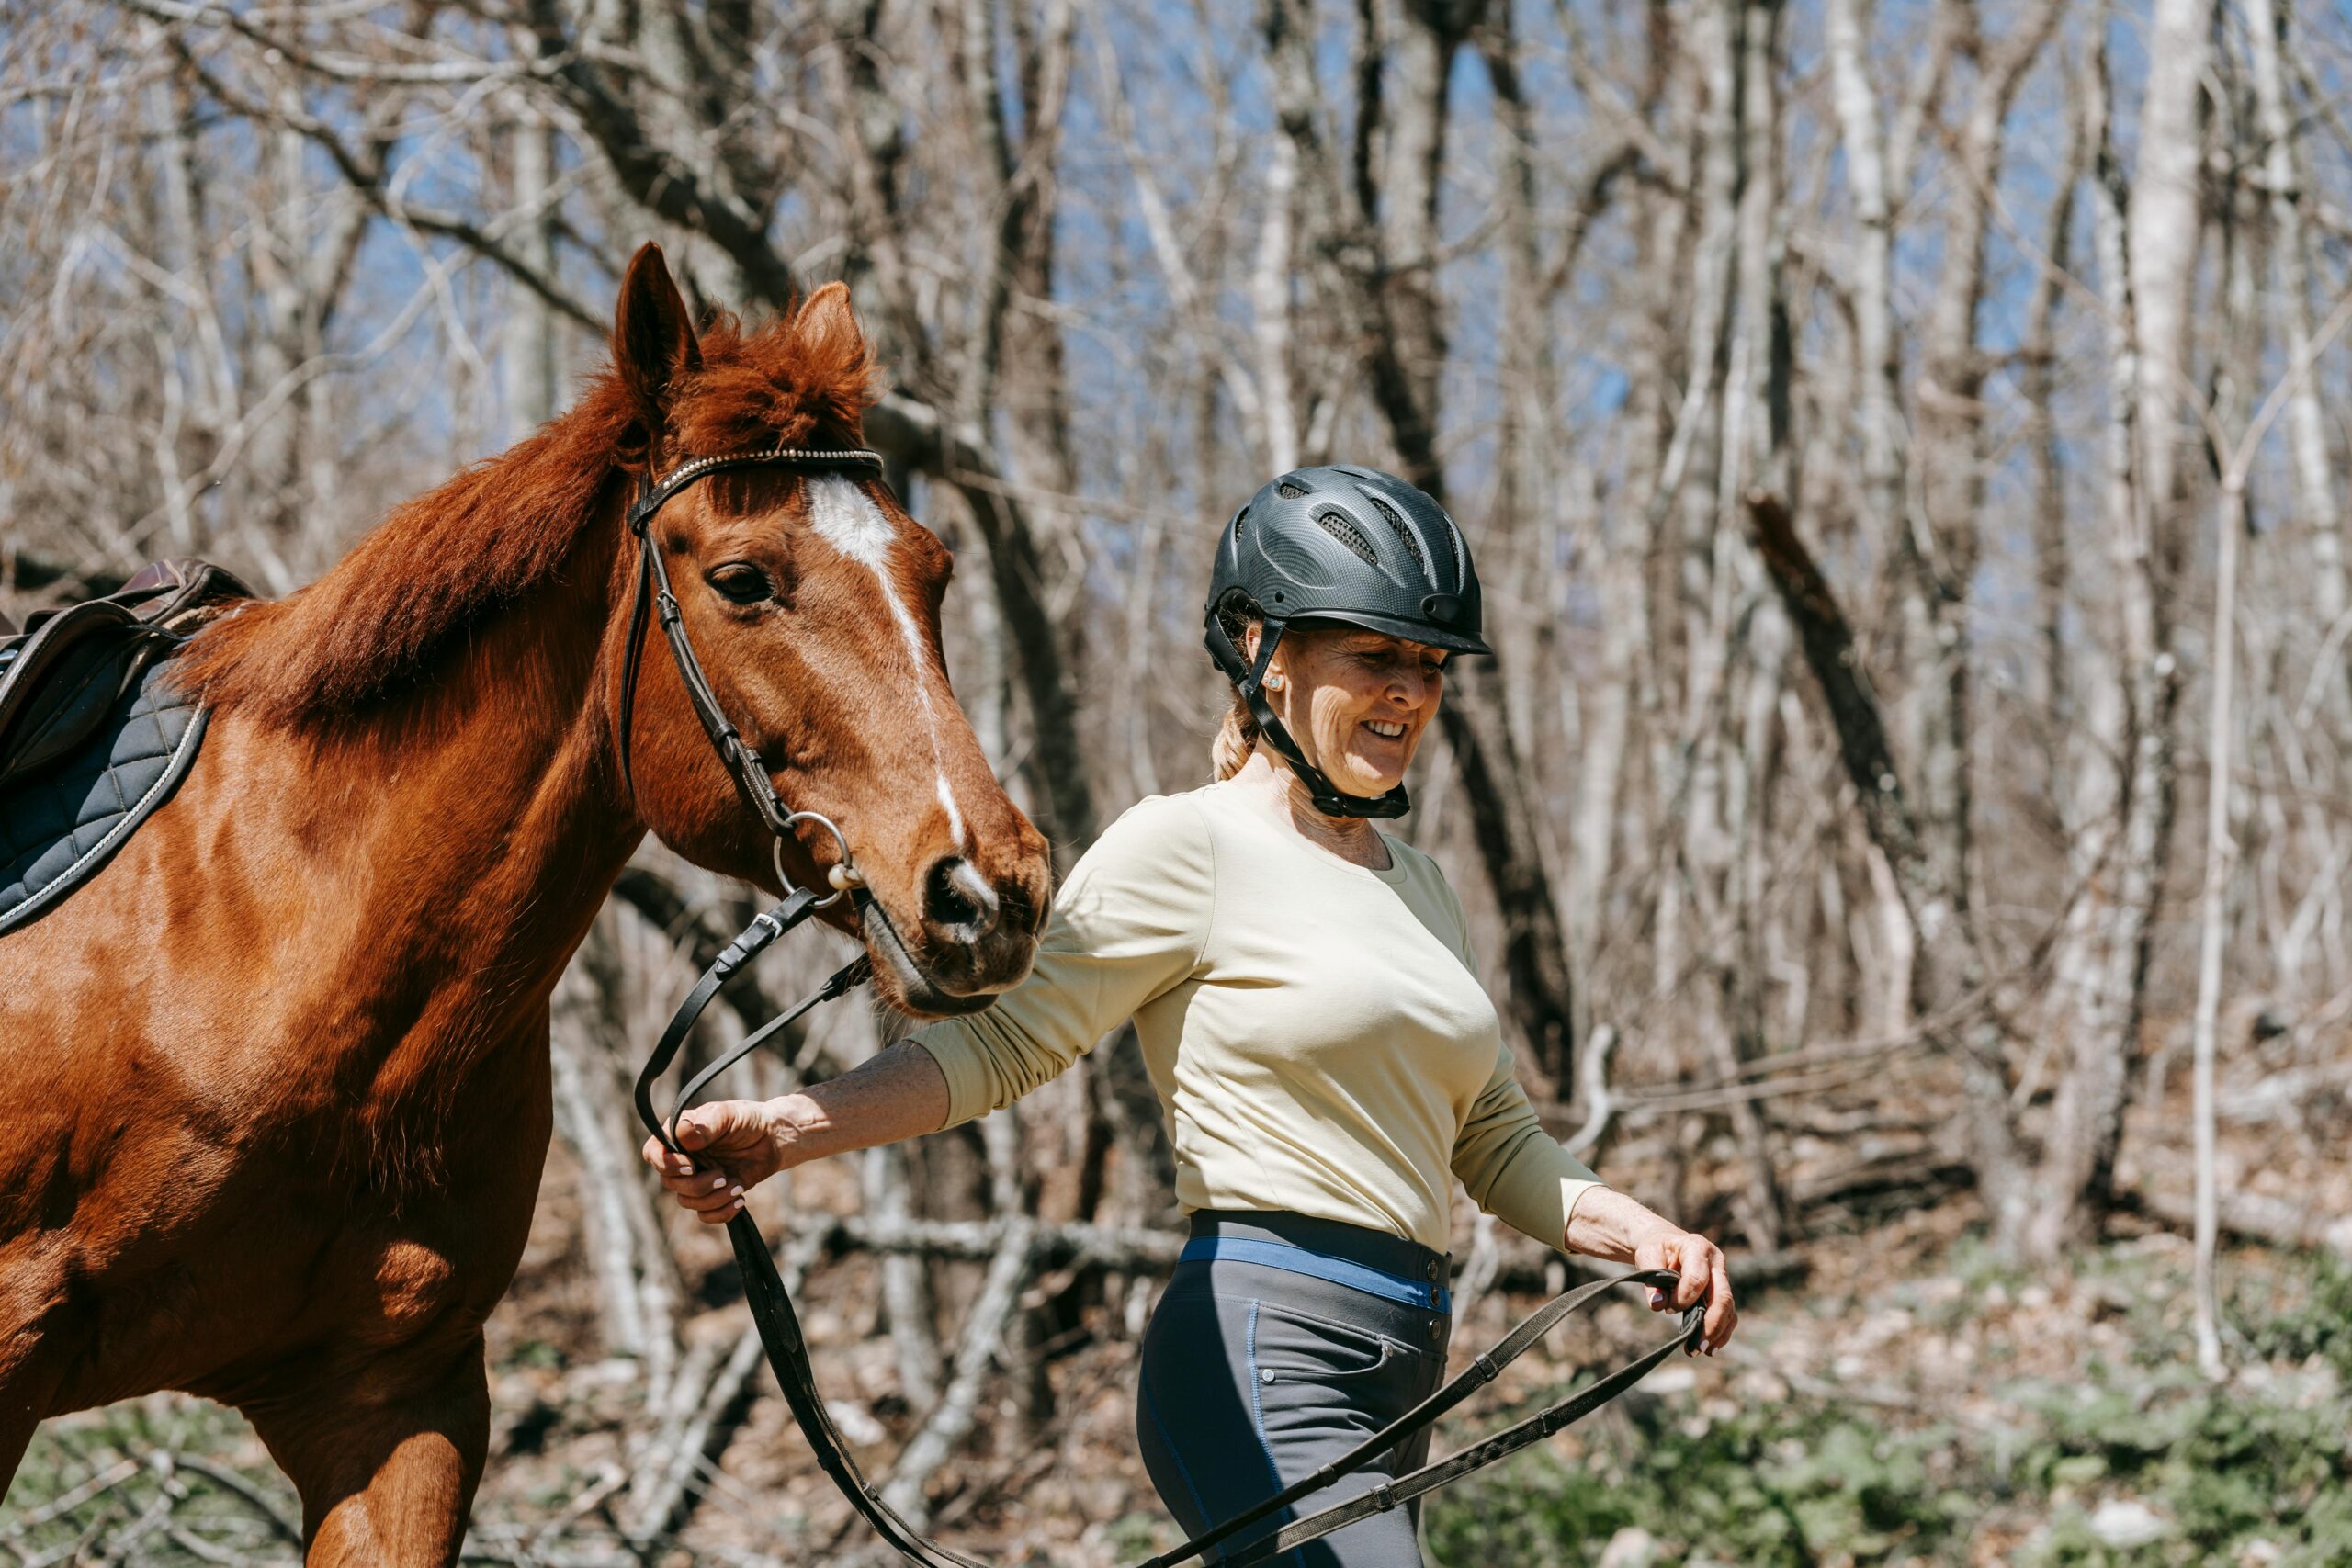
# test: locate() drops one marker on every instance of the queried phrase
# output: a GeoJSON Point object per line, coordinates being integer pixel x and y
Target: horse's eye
{"type": "Point", "coordinates": [740, 583]}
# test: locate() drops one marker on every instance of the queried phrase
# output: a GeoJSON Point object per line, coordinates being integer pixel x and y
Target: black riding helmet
{"type": "Point", "coordinates": [1340, 544]}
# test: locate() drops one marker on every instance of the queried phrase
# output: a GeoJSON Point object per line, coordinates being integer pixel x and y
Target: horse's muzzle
{"type": "Point", "coordinates": [965, 975]}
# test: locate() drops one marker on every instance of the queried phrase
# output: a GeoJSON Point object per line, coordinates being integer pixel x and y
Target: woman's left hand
{"type": "Point", "coordinates": [1699, 1262]}
{"type": "Point", "coordinates": [1606, 1223]}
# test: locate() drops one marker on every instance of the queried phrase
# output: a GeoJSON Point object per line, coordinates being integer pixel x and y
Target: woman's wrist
{"type": "Point", "coordinates": [793, 1122]}
{"type": "Point", "coordinates": [1611, 1226]}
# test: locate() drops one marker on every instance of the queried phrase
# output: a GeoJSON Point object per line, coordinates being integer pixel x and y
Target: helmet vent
{"type": "Point", "coordinates": [1461, 560]}
{"type": "Point", "coordinates": [1348, 534]}
{"type": "Point", "coordinates": [1290, 491]}
{"type": "Point", "coordinates": [1404, 534]}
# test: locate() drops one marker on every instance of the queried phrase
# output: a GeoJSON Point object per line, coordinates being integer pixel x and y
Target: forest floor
{"type": "Point", "coordinates": [1900, 1398]}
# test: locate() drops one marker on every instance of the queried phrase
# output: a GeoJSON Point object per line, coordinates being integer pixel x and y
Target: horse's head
{"type": "Point", "coordinates": [812, 601]}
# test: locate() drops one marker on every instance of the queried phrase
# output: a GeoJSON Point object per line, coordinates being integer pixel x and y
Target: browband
{"type": "Point", "coordinates": [657, 491]}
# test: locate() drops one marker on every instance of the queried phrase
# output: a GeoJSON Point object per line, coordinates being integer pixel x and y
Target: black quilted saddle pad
{"type": "Point", "coordinates": [59, 826]}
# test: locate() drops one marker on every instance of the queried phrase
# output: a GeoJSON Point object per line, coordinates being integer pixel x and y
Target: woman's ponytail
{"type": "Point", "coordinates": [1236, 738]}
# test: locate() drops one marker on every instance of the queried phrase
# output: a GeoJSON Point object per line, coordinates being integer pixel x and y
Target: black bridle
{"type": "Point", "coordinates": [772, 1310]}
{"type": "Point", "coordinates": [652, 594]}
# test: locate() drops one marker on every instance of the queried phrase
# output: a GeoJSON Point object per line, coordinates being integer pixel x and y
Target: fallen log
{"type": "Point", "coordinates": [2251, 1217]}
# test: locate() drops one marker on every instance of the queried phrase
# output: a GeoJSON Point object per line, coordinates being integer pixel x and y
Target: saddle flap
{"type": "Point", "coordinates": [61, 676]}
{"type": "Point", "coordinates": [58, 682]}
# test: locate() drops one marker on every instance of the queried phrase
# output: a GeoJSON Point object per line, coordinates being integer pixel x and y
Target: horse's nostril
{"type": "Point", "coordinates": [956, 895]}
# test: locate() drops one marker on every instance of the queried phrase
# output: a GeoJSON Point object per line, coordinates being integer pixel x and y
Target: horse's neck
{"type": "Point", "coordinates": [473, 822]}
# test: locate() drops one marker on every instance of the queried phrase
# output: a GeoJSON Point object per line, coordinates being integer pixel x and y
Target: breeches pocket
{"type": "Point", "coordinates": [1300, 1347]}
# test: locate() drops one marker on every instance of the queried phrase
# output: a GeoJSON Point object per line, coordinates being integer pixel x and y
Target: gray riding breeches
{"type": "Point", "coordinates": [1282, 1342]}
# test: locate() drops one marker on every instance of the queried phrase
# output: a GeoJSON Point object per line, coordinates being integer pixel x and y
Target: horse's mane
{"type": "Point", "coordinates": [443, 561]}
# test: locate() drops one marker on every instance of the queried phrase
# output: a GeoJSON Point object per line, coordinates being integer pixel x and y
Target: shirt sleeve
{"type": "Point", "coordinates": [1514, 1170]}
{"type": "Point", "coordinates": [1128, 923]}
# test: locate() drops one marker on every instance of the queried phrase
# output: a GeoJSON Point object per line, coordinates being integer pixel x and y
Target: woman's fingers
{"type": "Point", "coordinates": [1648, 1257]}
{"type": "Point", "coordinates": [714, 1196]}
{"type": "Point", "coordinates": [1690, 1262]}
{"type": "Point", "coordinates": [721, 1127]}
{"type": "Point", "coordinates": [1723, 1315]}
{"type": "Point", "coordinates": [701, 1184]}
{"type": "Point", "coordinates": [723, 1143]}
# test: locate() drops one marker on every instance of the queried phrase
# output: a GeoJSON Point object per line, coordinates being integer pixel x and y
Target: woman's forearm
{"type": "Point", "coordinates": [1609, 1226]}
{"type": "Point", "coordinates": [898, 1092]}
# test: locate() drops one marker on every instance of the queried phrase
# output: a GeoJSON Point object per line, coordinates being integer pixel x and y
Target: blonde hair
{"type": "Point", "coordinates": [1236, 738]}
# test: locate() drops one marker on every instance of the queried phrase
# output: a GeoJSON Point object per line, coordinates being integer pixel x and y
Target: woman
{"type": "Point", "coordinates": [1308, 1010]}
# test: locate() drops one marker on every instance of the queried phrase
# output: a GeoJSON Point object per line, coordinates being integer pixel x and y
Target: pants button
{"type": "Point", "coordinates": [1437, 1332]}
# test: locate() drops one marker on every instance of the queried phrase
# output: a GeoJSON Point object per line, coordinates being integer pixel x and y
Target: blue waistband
{"type": "Point", "coordinates": [1317, 1265]}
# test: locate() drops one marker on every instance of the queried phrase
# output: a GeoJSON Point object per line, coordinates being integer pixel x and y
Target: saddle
{"type": "Point", "coordinates": [91, 736]}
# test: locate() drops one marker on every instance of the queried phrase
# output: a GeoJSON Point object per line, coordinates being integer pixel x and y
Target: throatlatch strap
{"type": "Point", "coordinates": [639, 611]}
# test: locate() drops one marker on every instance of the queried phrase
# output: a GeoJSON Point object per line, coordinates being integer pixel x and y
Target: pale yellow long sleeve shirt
{"type": "Point", "coordinates": [1314, 1028]}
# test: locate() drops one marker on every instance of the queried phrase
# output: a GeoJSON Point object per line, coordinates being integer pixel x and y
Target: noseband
{"type": "Point", "coordinates": [772, 1310]}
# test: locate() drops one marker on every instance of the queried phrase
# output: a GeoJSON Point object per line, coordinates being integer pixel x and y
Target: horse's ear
{"type": "Point", "coordinates": [653, 338]}
{"type": "Point", "coordinates": [825, 320]}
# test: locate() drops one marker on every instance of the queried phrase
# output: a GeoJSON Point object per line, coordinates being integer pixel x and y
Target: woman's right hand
{"type": "Point", "coordinates": [735, 1144]}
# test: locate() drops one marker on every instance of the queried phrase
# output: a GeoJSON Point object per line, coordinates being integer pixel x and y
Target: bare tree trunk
{"type": "Point", "coordinates": [2039, 351]}
{"type": "Point", "coordinates": [1877, 368]}
{"type": "Point", "coordinates": [2220, 850]}
{"type": "Point", "coordinates": [1950, 968]}
{"type": "Point", "coordinates": [2267, 24]}
{"type": "Point", "coordinates": [528, 354]}
{"type": "Point", "coordinates": [2123, 821]}
{"type": "Point", "coordinates": [1940, 559]}
{"type": "Point", "coordinates": [1756, 454]}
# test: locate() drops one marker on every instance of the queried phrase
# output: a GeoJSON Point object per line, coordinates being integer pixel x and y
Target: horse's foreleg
{"type": "Point", "coordinates": [387, 1458]}
{"type": "Point", "coordinates": [28, 1387]}
{"type": "Point", "coordinates": [16, 1431]}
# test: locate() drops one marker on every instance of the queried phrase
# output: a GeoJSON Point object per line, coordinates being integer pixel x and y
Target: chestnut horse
{"type": "Point", "coordinates": [274, 1088]}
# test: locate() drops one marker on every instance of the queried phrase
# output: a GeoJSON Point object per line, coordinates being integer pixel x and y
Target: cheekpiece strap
{"type": "Point", "coordinates": [653, 595]}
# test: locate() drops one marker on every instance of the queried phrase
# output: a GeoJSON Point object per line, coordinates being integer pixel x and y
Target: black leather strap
{"type": "Point", "coordinates": [639, 608]}
{"type": "Point", "coordinates": [764, 929]}
{"type": "Point", "coordinates": [847, 979]}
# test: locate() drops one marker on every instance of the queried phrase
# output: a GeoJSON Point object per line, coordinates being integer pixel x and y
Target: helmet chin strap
{"type": "Point", "coordinates": [1329, 800]}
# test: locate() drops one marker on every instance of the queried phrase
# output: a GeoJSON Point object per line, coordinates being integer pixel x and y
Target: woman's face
{"type": "Point", "coordinates": [1355, 701]}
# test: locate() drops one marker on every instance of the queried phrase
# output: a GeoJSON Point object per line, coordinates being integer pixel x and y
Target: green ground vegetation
{"type": "Point", "coordinates": [2135, 1462]}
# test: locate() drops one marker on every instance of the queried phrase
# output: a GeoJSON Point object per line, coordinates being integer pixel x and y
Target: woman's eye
{"type": "Point", "coordinates": [740, 584]}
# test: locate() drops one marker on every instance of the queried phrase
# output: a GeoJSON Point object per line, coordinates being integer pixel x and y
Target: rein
{"type": "Point", "coordinates": [772, 1310]}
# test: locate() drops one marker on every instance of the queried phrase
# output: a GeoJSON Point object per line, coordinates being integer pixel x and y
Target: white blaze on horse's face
{"type": "Point", "coordinates": [844, 516]}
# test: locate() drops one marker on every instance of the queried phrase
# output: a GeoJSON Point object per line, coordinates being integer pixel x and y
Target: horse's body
{"type": "Point", "coordinates": [274, 1088]}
